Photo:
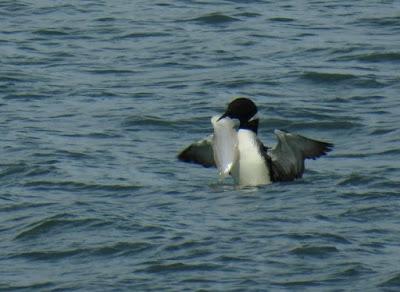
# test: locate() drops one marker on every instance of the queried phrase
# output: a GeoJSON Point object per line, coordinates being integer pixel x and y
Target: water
{"type": "Point", "coordinates": [98, 97]}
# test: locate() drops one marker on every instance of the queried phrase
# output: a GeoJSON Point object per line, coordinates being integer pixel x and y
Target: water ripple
{"type": "Point", "coordinates": [213, 19]}
{"type": "Point", "coordinates": [315, 251]}
{"type": "Point", "coordinates": [179, 267]}
{"type": "Point", "coordinates": [53, 224]}
{"type": "Point", "coordinates": [328, 77]}
{"type": "Point", "coordinates": [97, 97]}
{"type": "Point", "coordinates": [137, 35]}
{"type": "Point", "coordinates": [373, 57]}
{"type": "Point", "coordinates": [74, 185]}
{"type": "Point", "coordinates": [117, 249]}
{"type": "Point", "coordinates": [383, 22]}
{"type": "Point", "coordinates": [393, 281]}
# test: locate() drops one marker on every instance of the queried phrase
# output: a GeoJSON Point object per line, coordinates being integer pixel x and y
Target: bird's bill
{"type": "Point", "coordinates": [223, 116]}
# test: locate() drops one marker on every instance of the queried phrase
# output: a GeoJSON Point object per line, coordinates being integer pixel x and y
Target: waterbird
{"type": "Point", "coordinates": [240, 153]}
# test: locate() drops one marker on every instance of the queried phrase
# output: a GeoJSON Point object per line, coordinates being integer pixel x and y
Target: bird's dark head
{"type": "Point", "coordinates": [241, 108]}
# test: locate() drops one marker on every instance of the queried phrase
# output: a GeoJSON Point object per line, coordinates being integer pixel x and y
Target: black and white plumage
{"type": "Point", "coordinates": [254, 163]}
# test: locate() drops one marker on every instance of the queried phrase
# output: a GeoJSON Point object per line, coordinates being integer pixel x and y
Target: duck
{"type": "Point", "coordinates": [238, 151]}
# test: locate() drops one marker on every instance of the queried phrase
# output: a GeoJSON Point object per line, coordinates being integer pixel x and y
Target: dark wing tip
{"type": "Point", "coordinates": [329, 147]}
{"type": "Point", "coordinates": [194, 154]}
{"type": "Point", "coordinates": [185, 155]}
{"type": "Point", "coordinates": [320, 149]}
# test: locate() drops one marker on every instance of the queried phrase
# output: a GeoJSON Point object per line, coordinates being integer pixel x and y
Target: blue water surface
{"type": "Point", "coordinates": [98, 97]}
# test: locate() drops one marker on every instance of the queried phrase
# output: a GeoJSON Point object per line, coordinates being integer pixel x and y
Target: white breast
{"type": "Point", "coordinates": [250, 168]}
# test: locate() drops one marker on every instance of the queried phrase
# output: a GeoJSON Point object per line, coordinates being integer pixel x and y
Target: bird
{"type": "Point", "coordinates": [251, 163]}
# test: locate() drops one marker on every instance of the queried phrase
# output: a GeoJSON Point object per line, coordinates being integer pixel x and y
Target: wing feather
{"type": "Point", "coordinates": [200, 152]}
{"type": "Point", "coordinates": [287, 157]}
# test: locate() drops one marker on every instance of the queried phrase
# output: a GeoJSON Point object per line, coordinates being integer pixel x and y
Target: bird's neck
{"type": "Point", "coordinates": [251, 125]}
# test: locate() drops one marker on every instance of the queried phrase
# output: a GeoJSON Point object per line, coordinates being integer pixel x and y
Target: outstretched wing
{"type": "Point", "coordinates": [218, 150]}
{"type": "Point", "coordinates": [287, 157]}
{"type": "Point", "coordinates": [200, 152]}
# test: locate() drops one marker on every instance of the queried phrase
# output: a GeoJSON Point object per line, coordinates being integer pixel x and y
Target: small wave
{"type": "Point", "coordinates": [13, 6]}
{"type": "Point", "coordinates": [328, 77]}
{"type": "Point", "coordinates": [180, 267]}
{"type": "Point", "coordinates": [51, 32]}
{"type": "Point", "coordinates": [238, 83]}
{"type": "Point", "coordinates": [41, 170]}
{"type": "Point", "coordinates": [298, 283]}
{"type": "Point", "coordinates": [39, 286]}
{"type": "Point", "coordinates": [214, 18]}
{"type": "Point", "coordinates": [382, 21]}
{"type": "Point", "coordinates": [25, 96]}
{"type": "Point", "coordinates": [328, 125]}
{"type": "Point", "coordinates": [391, 152]}
{"type": "Point", "coordinates": [379, 194]}
{"type": "Point", "coordinates": [117, 72]}
{"type": "Point", "coordinates": [351, 155]}
{"type": "Point", "coordinates": [95, 135]}
{"type": "Point", "coordinates": [275, 123]}
{"type": "Point", "coordinates": [20, 169]}
{"type": "Point", "coordinates": [13, 169]}
{"type": "Point", "coordinates": [388, 152]}
{"type": "Point", "coordinates": [136, 35]}
{"type": "Point", "coordinates": [355, 179]}
{"type": "Point", "coordinates": [234, 83]}
{"type": "Point", "coordinates": [369, 81]}
{"type": "Point", "coordinates": [49, 255]}
{"type": "Point", "coordinates": [368, 213]}
{"type": "Point", "coordinates": [71, 185]}
{"type": "Point", "coordinates": [369, 98]}
{"type": "Point", "coordinates": [373, 57]}
{"type": "Point", "coordinates": [325, 236]}
{"type": "Point", "coordinates": [315, 251]}
{"type": "Point", "coordinates": [197, 280]}
{"type": "Point", "coordinates": [355, 270]}
{"type": "Point", "coordinates": [383, 131]}
{"type": "Point", "coordinates": [387, 184]}
{"type": "Point", "coordinates": [73, 154]}
{"type": "Point", "coordinates": [54, 223]}
{"type": "Point", "coordinates": [10, 79]}
{"type": "Point", "coordinates": [232, 259]}
{"type": "Point", "coordinates": [248, 14]}
{"type": "Point", "coordinates": [153, 229]}
{"type": "Point", "coordinates": [22, 206]}
{"type": "Point", "coordinates": [186, 245]}
{"type": "Point", "coordinates": [162, 123]}
{"type": "Point", "coordinates": [281, 19]}
{"type": "Point", "coordinates": [120, 248]}
{"type": "Point", "coordinates": [393, 281]}
{"type": "Point", "coordinates": [106, 19]}
{"type": "Point", "coordinates": [151, 122]}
